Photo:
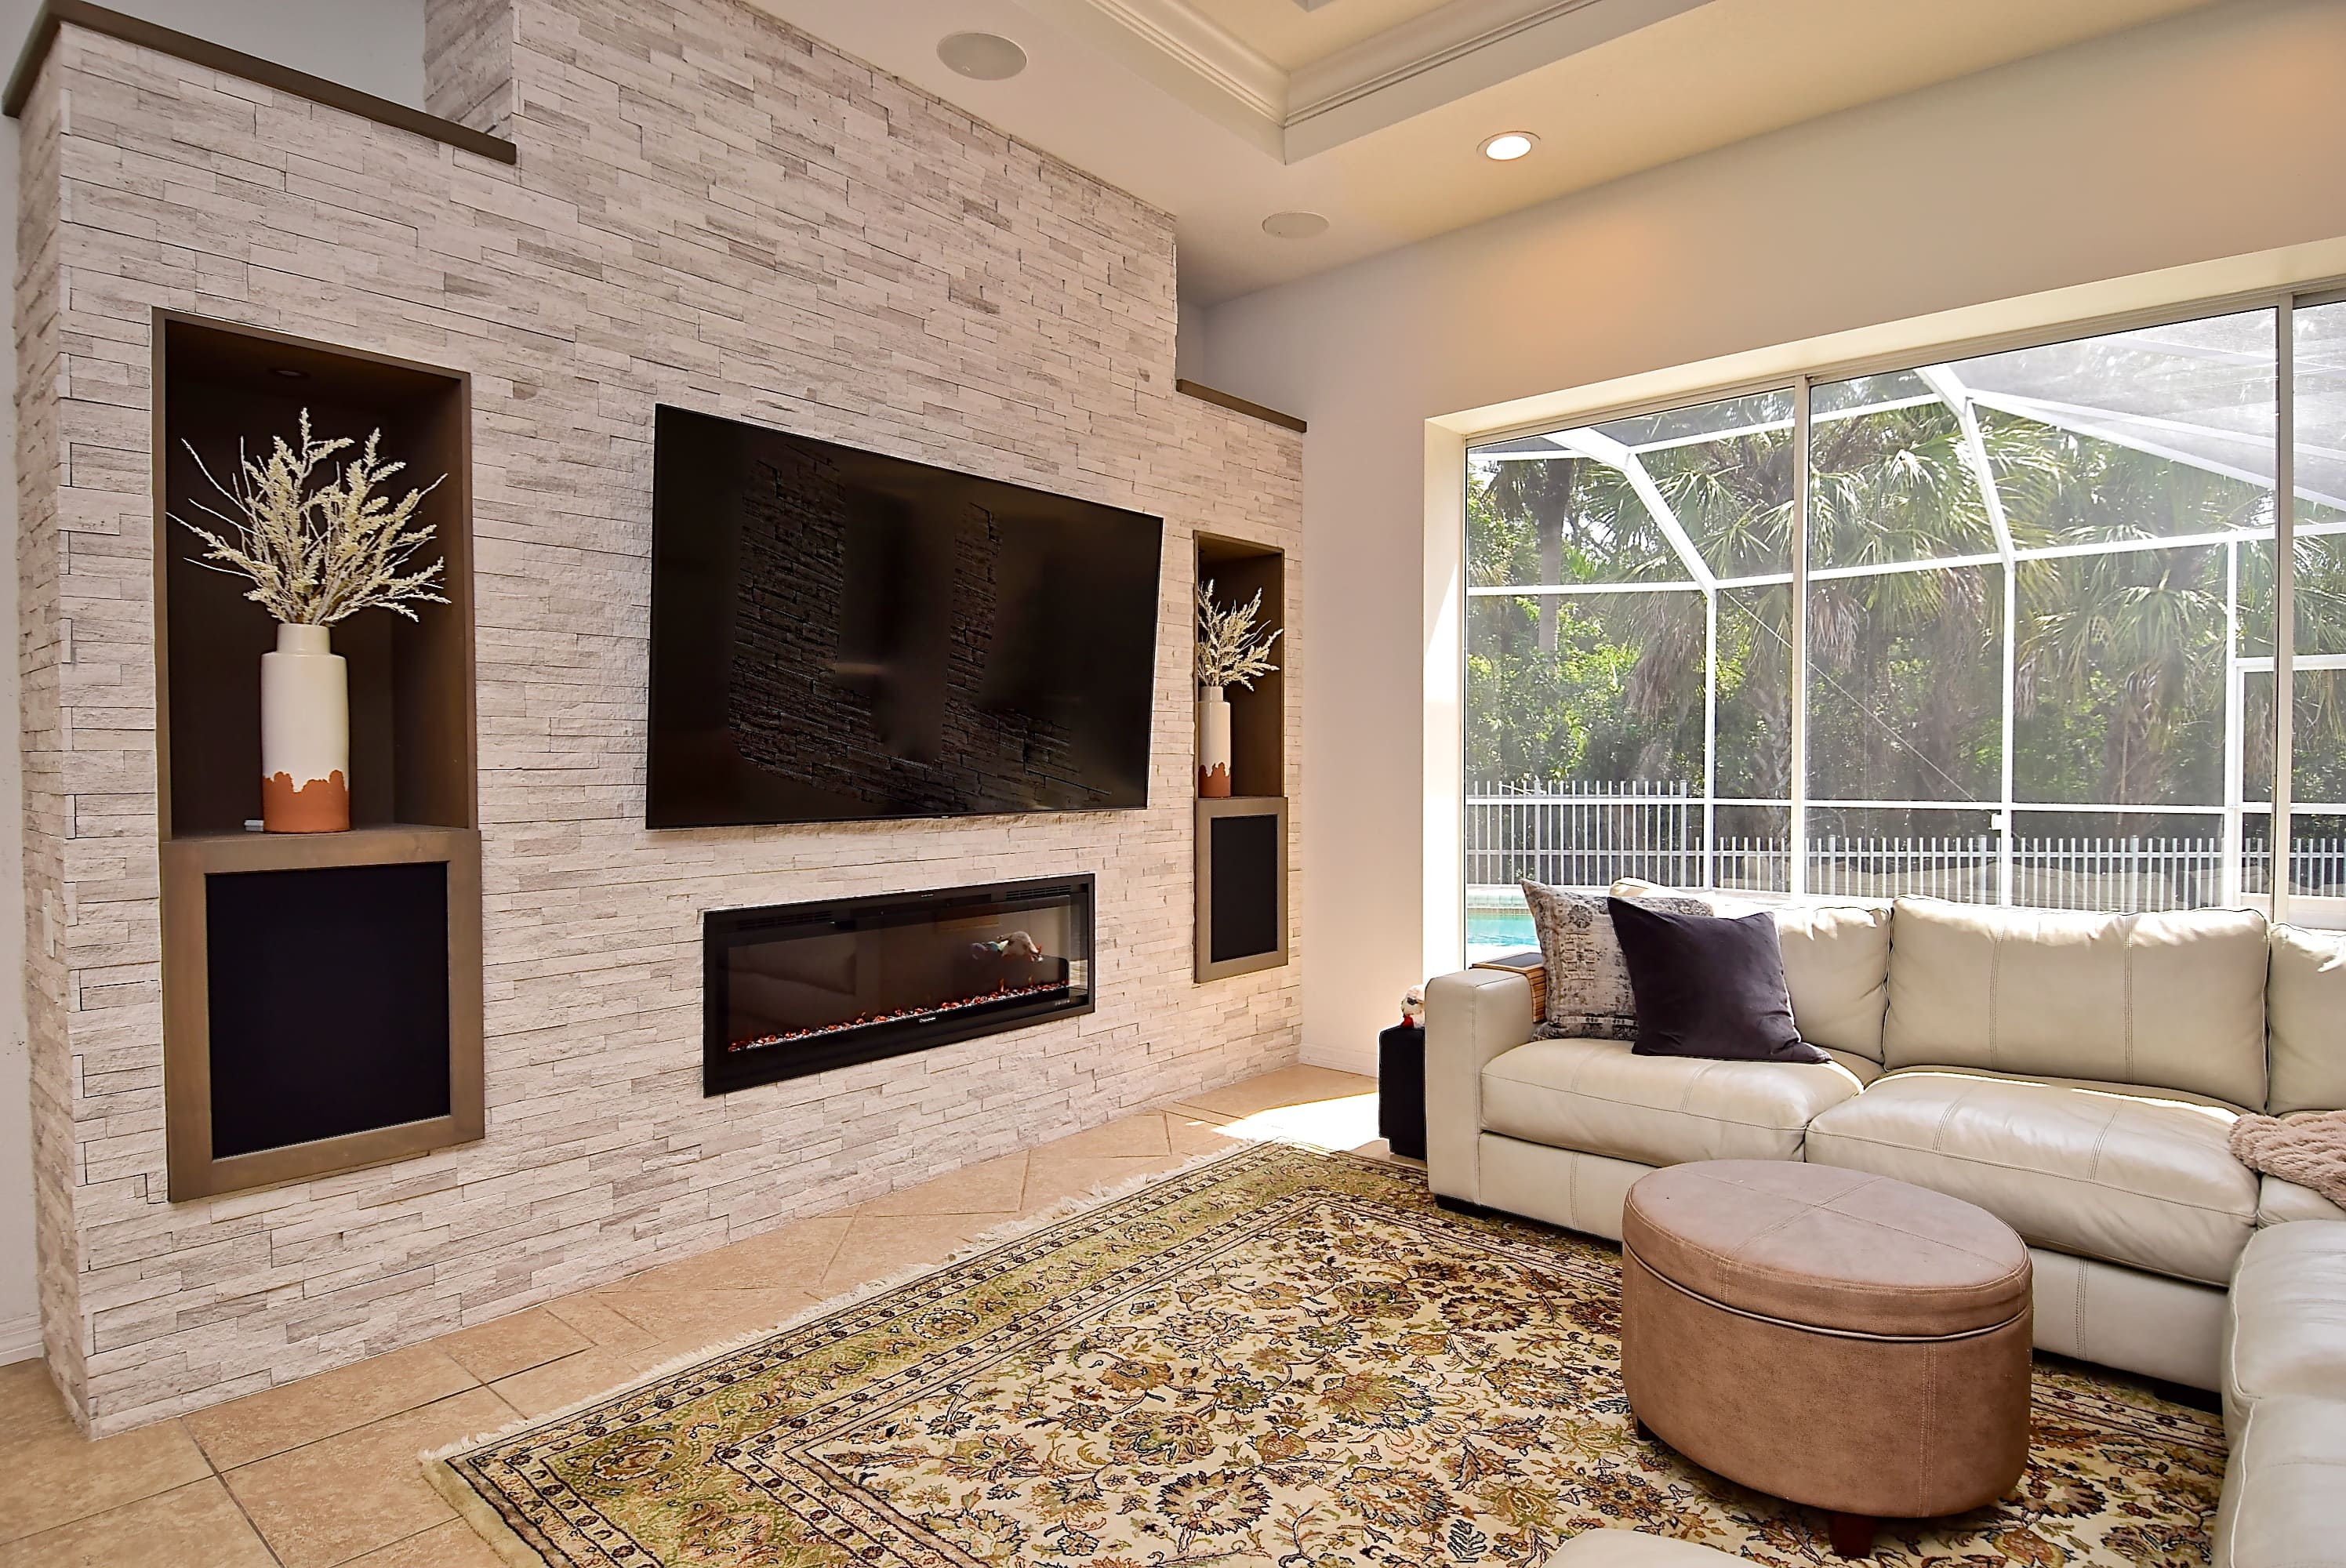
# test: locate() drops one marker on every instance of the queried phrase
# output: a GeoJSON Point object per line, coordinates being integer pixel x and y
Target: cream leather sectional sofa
{"type": "Point", "coordinates": [2076, 1074]}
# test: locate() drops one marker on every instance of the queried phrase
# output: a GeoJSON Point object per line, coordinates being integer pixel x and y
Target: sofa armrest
{"type": "Point", "coordinates": [1471, 1017]}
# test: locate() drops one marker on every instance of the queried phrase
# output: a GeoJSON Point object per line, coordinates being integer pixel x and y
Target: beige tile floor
{"type": "Point", "coordinates": [323, 1472]}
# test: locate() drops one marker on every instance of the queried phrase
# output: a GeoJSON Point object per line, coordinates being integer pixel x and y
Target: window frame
{"type": "Point", "coordinates": [2279, 903]}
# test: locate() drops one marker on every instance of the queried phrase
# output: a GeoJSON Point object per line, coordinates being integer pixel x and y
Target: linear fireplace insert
{"type": "Point", "coordinates": [794, 988]}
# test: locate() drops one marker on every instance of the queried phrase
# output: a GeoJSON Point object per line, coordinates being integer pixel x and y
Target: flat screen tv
{"type": "Point", "coordinates": [838, 636]}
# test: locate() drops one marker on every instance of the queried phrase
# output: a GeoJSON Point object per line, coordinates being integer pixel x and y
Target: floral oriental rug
{"type": "Point", "coordinates": [1276, 1357]}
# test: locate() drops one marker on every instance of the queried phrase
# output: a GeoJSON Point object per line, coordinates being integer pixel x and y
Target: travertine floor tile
{"type": "Point", "coordinates": [707, 1315]}
{"type": "Point", "coordinates": [332, 1500]}
{"type": "Point", "coordinates": [878, 1246]}
{"type": "Point", "coordinates": [55, 1475]}
{"type": "Point", "coordinates": [1050, 1181]}
{"type": "Point", "coordinates": [503, 1346]}
{"type": "Point", "coordinates": [454, 1545]}
{"type": "Point", "coordinates": [194, 1526]}
{"type": "Point", "coordinates": [1191, 1134]}
{"type": "Point", "coordinates": [557, 1385]}
{"type": "Point", "coordinates": [990, 1186]}
{"type": "Point", "coordinates": [790, 1258]}
{"type": "Point", "coordinates": [259, 1425]}
{"type": "Point", "coordinates": [1287, 1086]}
{"type": "Point", "coordinates": [588, 1315]}
{"type": "Point", "coordinates": [1132, 1136]}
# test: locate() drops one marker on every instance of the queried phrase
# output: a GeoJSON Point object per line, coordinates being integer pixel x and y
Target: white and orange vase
{"type": "Point", "coordinates": [1213, 743]}
{"type": "Point", "coordinates": [305, 734]}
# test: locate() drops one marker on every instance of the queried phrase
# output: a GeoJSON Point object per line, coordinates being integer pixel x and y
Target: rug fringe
{"type": "Point", "coordinates": [492, 1526]}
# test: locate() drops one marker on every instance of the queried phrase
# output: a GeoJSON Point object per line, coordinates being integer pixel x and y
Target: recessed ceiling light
{"type": "Point", "coordinates": [982, 56]}
{"type": "Point", "coordinates": [1295, 226]}
{"type": "Point", "coordinates": [1508, 146]}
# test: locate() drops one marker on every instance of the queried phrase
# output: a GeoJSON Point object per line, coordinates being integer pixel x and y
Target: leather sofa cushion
{"type": "Point", "coordinates": [2173, 1001]}
{"type": "Point", "coordinates": [2101, 1170]}
{"type": "Point", "coordinates": [2306, 1005]}
{"type": "Point", "coordinates": [1827, 1248]}
{"type": "Point", "coordinates": [2285, 1320]}
{"type": "Point", "coordinates": [1595, 1095]}
{"type": "Point", "coordinates": [1837, 968]}
{"type": "Point", "coordinates": [2281, 1487]}
{"type": "Point", "coordinates": [2279, 1202]}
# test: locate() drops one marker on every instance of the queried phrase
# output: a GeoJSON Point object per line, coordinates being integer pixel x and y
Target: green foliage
{"type": "Point", "coordinates": [2120, 657]}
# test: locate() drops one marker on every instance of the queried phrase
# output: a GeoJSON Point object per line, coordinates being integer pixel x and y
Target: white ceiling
{"type": "Point", "coordinates": [1222, 112]}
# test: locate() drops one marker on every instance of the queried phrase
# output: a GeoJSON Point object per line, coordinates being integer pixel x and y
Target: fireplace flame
{"type": "Point", "coordinates": [1003, 993]}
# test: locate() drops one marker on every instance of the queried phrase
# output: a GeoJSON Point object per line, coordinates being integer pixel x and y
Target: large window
{"type": "Point", "coordinates": [2027, 602]}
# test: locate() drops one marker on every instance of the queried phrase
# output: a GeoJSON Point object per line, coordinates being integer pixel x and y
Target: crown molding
{"type": "Point", "coordinates": [1202, 46]}
{"type": "Point", "coordinates": [1448, 54]}
{"type": "Point", "coordinates": [1459, 29]}
{"type": "Point", "coordinates": [1417, 45]}
{"type": "Point", "coordinates": [1187, 54]}
{"type": "Point", "coordinates": [1459, 48]}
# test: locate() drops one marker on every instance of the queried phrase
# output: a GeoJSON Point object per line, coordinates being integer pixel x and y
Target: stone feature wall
{"type": "Point", "coordinates": [710, 210]}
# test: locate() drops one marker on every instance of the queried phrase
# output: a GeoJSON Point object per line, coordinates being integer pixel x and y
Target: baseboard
{"type": "Point", "coordinates": [1344, 1058]}
{"type": "Point", "coordinates": [20, 1339]}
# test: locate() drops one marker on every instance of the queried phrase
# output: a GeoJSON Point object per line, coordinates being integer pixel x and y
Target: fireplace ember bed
{"type": "Point", "coordinates": [793, 989]}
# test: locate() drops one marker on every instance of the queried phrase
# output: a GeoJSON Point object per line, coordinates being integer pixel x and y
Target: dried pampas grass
{"type": "Point", "coordinates": [318, 553]}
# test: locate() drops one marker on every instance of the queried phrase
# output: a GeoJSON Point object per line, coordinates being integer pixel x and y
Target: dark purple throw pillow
{"type": "Point", "coordinates": [1709, 986]}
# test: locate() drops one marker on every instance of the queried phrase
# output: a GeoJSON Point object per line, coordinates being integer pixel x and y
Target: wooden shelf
{"type": "Point", "coordinates": [338, 1023]}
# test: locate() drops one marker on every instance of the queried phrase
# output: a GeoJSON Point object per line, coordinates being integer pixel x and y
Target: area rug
{"type": "Point", "coordinates": [1277, 1357]}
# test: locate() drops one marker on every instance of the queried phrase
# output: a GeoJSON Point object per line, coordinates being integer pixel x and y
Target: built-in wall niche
{"type": "Point", "coordinates": [1241, 842]}
{"type": "Point", "coordinates": [321, 991]}
{"type": "Point", "coordinates": [220, 388]}
{"type": "Point", "coordinates": [1237, 568]}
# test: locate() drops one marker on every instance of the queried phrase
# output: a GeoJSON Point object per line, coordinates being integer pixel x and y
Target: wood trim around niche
{"type": "Point", "coordinates": [1208, 812]}
{"type": "Point", "coordinates": [146, 35]}
{"type": "Point", "coordinates": [187, 1004]}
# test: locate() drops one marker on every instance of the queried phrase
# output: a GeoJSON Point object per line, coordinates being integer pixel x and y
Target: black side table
{"type": "Point", "coordinates": [1400, 1089]}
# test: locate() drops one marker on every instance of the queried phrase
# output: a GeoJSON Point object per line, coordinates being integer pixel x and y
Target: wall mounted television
{"type": "Point", "coordinates": [840, 636]}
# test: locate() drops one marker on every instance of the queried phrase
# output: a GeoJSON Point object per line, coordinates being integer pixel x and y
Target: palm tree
{"type": "Point", "coordinates": [2124, 651]}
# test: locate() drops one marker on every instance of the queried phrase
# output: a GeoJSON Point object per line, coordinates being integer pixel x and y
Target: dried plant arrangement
{"type": "Point", "coordinates": [318, 550]}
{"type": "Point", "coordinates": [1230, 651]}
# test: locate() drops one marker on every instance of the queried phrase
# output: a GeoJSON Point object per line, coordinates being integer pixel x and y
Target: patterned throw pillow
{"type": "Point", "coordinates": [1588, 994]}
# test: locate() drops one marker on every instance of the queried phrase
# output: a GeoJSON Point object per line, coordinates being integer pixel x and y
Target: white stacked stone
{"type": "Point", "coordinates": [710, 210]}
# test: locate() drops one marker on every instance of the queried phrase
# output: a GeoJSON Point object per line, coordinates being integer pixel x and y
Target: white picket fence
{"type": "Point", "coordinates": [1586, 835]}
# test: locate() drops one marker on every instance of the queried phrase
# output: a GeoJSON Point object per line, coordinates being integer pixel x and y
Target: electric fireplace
{"type": "Point", "coordinates": [794, 988]}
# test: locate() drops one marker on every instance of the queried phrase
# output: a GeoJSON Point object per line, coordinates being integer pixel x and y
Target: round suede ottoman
{"type": "Point", "coordinates": [1837, 1339]}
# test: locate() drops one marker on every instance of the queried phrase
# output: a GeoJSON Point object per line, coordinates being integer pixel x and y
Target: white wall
{"type": "Point", "coordinates": [2212, 136]}
{"type": "Point", "coordinates": [375, 45]}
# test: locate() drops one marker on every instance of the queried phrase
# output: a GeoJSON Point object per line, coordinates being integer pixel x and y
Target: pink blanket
{"type": "Point", "coordinates": [2309, 1149]}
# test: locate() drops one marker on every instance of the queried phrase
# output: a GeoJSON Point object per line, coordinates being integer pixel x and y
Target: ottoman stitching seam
{"type": "Point", "coordinates": [1923, 1447]}
{"type": "Point", "coordinates": [1823, 1328]}
{"type": "Point", "coordinates": [1862, 1288]}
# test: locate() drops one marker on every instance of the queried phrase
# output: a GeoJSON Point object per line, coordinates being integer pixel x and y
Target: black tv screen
{"type": "Point", "coordinates": [837, 635]}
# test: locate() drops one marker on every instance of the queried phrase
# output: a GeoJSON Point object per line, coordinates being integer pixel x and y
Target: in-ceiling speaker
{"type": "Point", "coordinates": [1295, 226]}
{"type": "Point", "coordinates": [982, 56]}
